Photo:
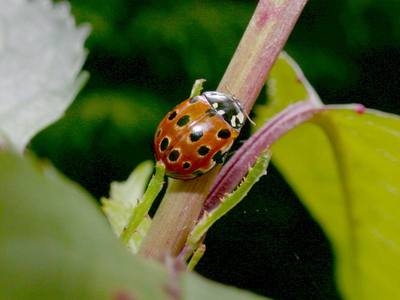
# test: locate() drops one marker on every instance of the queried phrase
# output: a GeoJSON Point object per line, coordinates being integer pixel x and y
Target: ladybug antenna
{"type": "Point", "coordinates": [248, 118]}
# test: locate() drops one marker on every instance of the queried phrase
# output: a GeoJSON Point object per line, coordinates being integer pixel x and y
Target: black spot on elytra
{"type": "Point", "coordinates": [183, 121]}
{"type": "Point", "coordinates": [219, 157]}
{"type": "Point", "coordinates": [196, 135]}
{"type": "Point", "coordinates": [198, 173]}
{"type": "Point", "coordinates": [164, 144]}
{"type": "Point", "coordinates": [224, 134]}
{"type": "Point", "coordinates": [158, 132]}
{"type": "Point", "coordinates": [172, 115]}
{"type": "Point", "coordinates": [186, 165]}
{"type": "Point", "coordinates": [173, 155]}
{"type": "Point", "coordinates": [203, 150]}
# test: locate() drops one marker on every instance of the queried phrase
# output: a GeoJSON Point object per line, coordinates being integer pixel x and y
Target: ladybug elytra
{"type": "Point", "coordinates": [197, 134]}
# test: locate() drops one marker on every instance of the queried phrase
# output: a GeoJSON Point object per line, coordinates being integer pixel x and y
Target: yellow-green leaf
{"type": "Point", "coordinates": [347, 173]}
{"type": "Point", "coordinates": [56, 244]}
{"type": "Point", "coordinates": [345, 167]}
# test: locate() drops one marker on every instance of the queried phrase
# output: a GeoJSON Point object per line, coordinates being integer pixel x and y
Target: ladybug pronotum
{"type": "Point", "coordinates": [197, 134]}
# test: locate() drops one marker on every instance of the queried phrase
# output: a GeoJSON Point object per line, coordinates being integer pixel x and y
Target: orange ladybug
{"type": "Point", "coordinates": [197, 134]}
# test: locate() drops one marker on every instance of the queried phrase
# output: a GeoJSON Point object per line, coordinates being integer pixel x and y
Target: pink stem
{"type": "Point", "coordinates": [259, 47]}
{"type": "Point", "coordinates": [264, 38]}
{"type": "Point", "coordinates": [236, 168]}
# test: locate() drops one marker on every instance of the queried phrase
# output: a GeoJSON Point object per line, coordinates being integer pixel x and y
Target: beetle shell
{"type": "Point", "coordinates": [196, 135]}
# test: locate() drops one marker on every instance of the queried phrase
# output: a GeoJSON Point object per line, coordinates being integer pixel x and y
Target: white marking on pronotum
{"type": "Point", "coordinates": [240, 116]}
{"type": "Point", "coordinates": [215, 105]}
{"type": "Point", "coordinates": [221, 112]}
{"type": "Point", "coordinates": [233, 121]}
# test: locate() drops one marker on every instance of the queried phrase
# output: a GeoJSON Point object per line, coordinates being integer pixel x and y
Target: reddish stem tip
{"type": "Point", "coordinates": [359, 109]}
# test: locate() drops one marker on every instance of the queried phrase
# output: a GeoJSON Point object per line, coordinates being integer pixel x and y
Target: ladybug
{"type": "Point", "coordinates": [197, 134]}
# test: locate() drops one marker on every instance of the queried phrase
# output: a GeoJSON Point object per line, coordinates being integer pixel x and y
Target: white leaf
{"type": "Point", "coordinates": [41, 55]}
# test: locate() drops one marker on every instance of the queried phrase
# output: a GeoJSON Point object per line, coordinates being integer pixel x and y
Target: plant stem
{"type": "Point", "coordinates": [237, 166]}
{"type": "Point", "coordinates": [245, 76]}
{"type": "Point", "coordinates": [176, 216]}
{"type": "Point", "coordinates": [263, 40]}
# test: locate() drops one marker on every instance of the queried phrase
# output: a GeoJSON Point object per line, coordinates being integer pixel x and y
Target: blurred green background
{"type": "Point", "coordinates": [143, 59]}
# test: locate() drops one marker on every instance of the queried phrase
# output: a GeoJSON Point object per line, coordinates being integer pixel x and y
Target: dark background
{"type": "Point", "coordinates": [143, 59]}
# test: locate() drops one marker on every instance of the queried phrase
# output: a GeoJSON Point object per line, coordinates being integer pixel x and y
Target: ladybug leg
{"type": "Point", "coordinates": [197, 88]}
{"type": "Point", "coordinates": [229, 201]}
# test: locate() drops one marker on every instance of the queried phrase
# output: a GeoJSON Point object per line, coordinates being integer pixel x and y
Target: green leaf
{"type": "Point", "coordinates": [56, 244]}
{"type": "Point", "coordinates": [345, 167]}
{"type": "Point", "coordinates": [124, 197]}
{"type": "Point", "coordinates": [196, 288]}
{"type": "Point", "coordinates": [197, 88]}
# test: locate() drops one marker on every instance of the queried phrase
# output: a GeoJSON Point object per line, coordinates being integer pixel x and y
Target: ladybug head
{"type": "Point", "coordinates": [228, 107]}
